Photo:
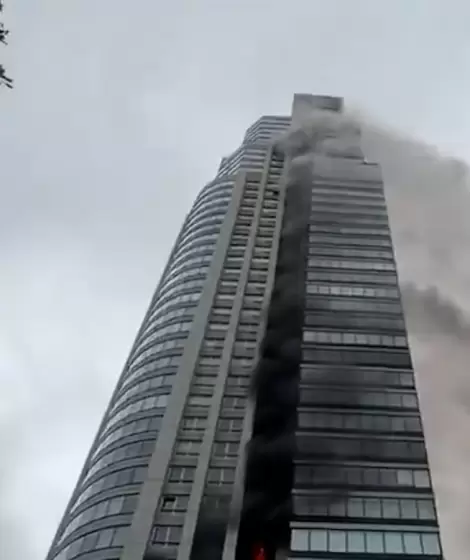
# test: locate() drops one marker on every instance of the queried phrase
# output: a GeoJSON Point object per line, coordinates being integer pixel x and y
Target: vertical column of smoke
{"type": "Point", "coordinates": [428, 195]}
{"type": "Point", "coordinates": [269, 468]}
{"type": "Point", "coordinates": [267, 507]}
{"type": "Point", "coordinates": [268, 481]}
{"type": "Point", "coordinates": [210, 534]}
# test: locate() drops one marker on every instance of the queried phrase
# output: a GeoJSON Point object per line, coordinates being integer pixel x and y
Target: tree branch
{"type": "Point", "coordinates": [4, 79]}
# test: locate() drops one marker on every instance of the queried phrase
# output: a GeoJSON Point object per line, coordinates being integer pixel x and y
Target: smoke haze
{"type": "Point", "coordinates": [428, 198]}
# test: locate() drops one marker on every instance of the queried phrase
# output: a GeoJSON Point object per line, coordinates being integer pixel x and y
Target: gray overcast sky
{"type": "Point", "coordinates": [120, 114]}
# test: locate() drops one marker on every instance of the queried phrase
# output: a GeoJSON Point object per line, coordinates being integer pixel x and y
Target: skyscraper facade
{"type": "Point", "coordinates": [282, 280]}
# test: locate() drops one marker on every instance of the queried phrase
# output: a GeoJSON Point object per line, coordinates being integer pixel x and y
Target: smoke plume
{"type": "Point", "coordinates": [267, 507]}
{"type": "Point", "coordinates": [428, 199]}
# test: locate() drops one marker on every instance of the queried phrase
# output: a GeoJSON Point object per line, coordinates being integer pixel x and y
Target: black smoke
{"type": "Point", "coordinates": [269, 474]}
{"type": "Point", "coordinates": [269, 464]}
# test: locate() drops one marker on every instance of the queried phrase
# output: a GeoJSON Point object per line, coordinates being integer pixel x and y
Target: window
{"type": "Point", "coordinates": [234, 403]}
{"type": "Point", "coordinates": [253, 302]}
{"type": "Point", "coordinates": [199, 400]}
{"type": "Point", "coordinates": [179, 285]}
{"type": "Point", "coordinates": [337, 541]}
{"type": "Point", "coordinates": [226, 449]}
{"type": "Point", "coordinates": [165, 329]}
{"type": "Point", "coordinates": [357, 422]}
{"type": "Point", "coordinates": [412, 543]}
{"type": "Point", "coordinates": [167, 535]}
{"type": "Point", "coordinates": [244, 349]}
{"type": "Point", "coordinates": [207, 361]}
{"type": "Point", "coordinates": [241, 364]}
{"type": "Point", "coordinates": [174, 503]}
{"type": "Point", "coordinates": [157, 317]}
{"type": "Point", "coordinates": [364, 476]}
{"type": "Point", "coordinates": [359, 305]}
{"type": "Point", "coordinates": [347, 202]}
{"type": "Point", "coordinates": [89, 542]}
{"type": "Point", "coordinates": [170, 363]}
{"type": "Point", "coordinates": [329, 206]}
{"type": "Point", "coordinates": [361, 357]}
{"type": "Point", "coordinates": [348, 193]}
{"type": "Point", "coordinates": [200, 259]}
{"type": "Point", "coordinates": [348, 264]}
{"type": "Point", "coordinates": [198, 237]}
{"type": "Point", "coordinates": [421, 478]}
{"type": "Point", "coordinates": [181, 474]}
{"type": "Point", "coordinates": [254, 290]}
{"type": "Point", "coordinates": [194, 423]}
{"type": "Point", "coordinates": [105, 538]}
{"type": "Point", "coordinates": [228, 288]}
{"type": "Point", "coordinates": [131, 428]}
{"type": "Point", "coordinates": [376, 399]}
{"type": "Point", "coordinates": [345, 277]}
{"type": "Point", "coordinates": [218, 476]}
{"type": "Point", "coordinates": [365, 376]}
{"type": "Point", "coordinates": [361, 447]}
{"type": "Point", "coordinates": [259, 264]}
{"type": "Point", "coordinates": [205, 220]}
{"type": "Point", "coordinates": [155, 349]}
{"type": "Point", "coordinates": [230, 425]}
{"type": "Point", "coordinates": [431, 544]}
{"type": "Point", "coordinates": [217, 330]}
{"type": "Point", "coordinates": [96, 540]}
{"type": "Point", "coordinates": [352, 291]}
{"type": "Point", "coordinates": [221, 319]}
{"type": "Point", "coordinates": [216, 502]}
{"type": "Point", "coordinates": [300, 538]}
{"type": "Point", "coordinates": [138, 449]}
{"type": "Point", "coordinates": [348, 241]}
{"type": "Point", "coordinates": [142, 387]}
{"type": "Point", "coordinates": [105, 508]}
{"type": "Point", "coordinates": [222, 301]}
{"type": "Point", "coordinates": [317, 540]}
{"type": "Point", "coordinates": [373, 542]}
{"type": "Point", "coordinates": [187, 447]}
{"type": "Point", "coordinates": [115, 479]}
{"type": "Point", "coordinates": [351, 338]}
{"type": "Point", "coordinates": [350, 229]}
{"type": "Point", "coordinates": [333, 251]}
{"type": "Point", "coordinates": [195, 254]}
{"type": "Point", "coordinates": [242, 381]}
{"type": "Point", "coordinates": [212, 345]}
{"type": "Point", "coordinates": [404, 509]}
{"type": "Point", "coordinates": [232, 263]}
{"type": "Point", "coordinates": [323, 319]}
{"type": "Point", "coordinates": [147, 403]}
{"type": "Point", "coordinates": [203, 385]}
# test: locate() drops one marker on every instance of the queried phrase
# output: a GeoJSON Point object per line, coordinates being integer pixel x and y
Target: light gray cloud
{"type": "Point", "coordinates": [104, 143]}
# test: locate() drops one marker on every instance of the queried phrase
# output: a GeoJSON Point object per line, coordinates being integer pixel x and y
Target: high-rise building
{"type": "Point", "coordinates": [282, 279]}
